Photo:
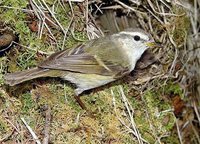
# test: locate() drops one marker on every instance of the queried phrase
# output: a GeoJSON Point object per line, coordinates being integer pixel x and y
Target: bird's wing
{"type": "Point", "coordinates": [80, 60]}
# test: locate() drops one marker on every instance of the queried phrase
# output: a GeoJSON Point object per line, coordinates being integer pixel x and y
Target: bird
{"type": "Point", "coordinates": [92, 64]}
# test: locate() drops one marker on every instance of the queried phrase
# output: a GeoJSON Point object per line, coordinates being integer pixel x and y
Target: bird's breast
{"type": "Point", "coordinates": [130, 53]}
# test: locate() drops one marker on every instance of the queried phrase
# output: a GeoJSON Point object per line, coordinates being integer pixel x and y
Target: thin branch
{"type": "Point", "coordinates": [31, 131]}
{"type": "Point", "coordinates": [128, 107]}
{"type": "Point", "coordinates": [47, 125]}
{"type": "Point", "coordinates": [179, 133]}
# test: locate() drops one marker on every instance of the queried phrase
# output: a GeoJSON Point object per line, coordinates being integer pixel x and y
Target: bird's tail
{"type": "Point", "coordinates": [19, 77]}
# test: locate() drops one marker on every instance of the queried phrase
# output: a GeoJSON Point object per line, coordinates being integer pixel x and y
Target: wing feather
{"type": "Point", "coordinates": [79, 60]}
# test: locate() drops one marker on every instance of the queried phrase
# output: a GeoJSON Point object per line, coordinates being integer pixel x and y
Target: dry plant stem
{"type": "Point", "coordinates": [195, 132]}
{"type": "Point", "coordinates": [75, 0]}
{"type": "Point", "coordinates": [195, 31]}
{"type": "Point", "coordinates": [114, 7]}
{"type": "Point", "coordinates": [77, 118]}
{"type": "Point", "coordinates": [128, 107]}
{"type": "Point", "coordinates": [35, 50]}
{"type": "Point", "coordinates": [118, 117]}
{"type": "Point", "coordinates": [65, 93]}
{"type": "Point", "coordinates": [172, 41]}
{"type": "Point", "coordinates": [71, 7]}
{"type": "Point", "coordinates": [153, 15]}
{"type": "Point", "coordinates": [86, 19]}
{"type": "Point", "coordinates": [94, 22]}
{"type": "Point", "coordinates": [42, 17]}
{"type": "Point", "coordinates": [47, 125]}
{"type": "Point", "coordinates": [15, 128]}
{"type": "Point", "coordinates": [162, 13]}
{"type": "Point", "coordinates": [166, 4]}
{"type": "Point", "coordinates": [196, 111]}
{"type": "Point", "coordinates": [7, 136]}
{"type": "Point", "coordinates": [37, 12]}
{"type": "Point", "coordinates": [54, 17]}
{"type": "Point", "coordinates": [179, 133]}
{"type": "Point", "coordinates": [126, 6]}
{"type": "Point", "coordinates": [137, 2]}
{"type": "Point", "coordinates": [22, 132]}
{"type": "Point", "coordinates": [98, 8]}
{"type": "Point", "coordinates": [15, 8]}
{"type": "Point", "coordinates": [70, 23]}
{"type": "Point", "coordinates": [31, 131]}
{"type": "Point", "coordinates": [87, 16]}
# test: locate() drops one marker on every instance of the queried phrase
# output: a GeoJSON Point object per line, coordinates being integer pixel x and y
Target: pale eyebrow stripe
{"type": "Point", "coordinates": [143, 36]}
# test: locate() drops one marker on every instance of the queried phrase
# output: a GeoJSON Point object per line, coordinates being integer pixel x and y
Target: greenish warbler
{"type": "Point", "coordinates": [92, 64]}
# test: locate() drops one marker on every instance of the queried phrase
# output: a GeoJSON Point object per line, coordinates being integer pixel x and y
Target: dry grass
{"type": "Point", "coordinates": [159, 104]}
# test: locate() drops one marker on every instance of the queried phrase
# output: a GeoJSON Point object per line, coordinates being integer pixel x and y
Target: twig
{"type": "Point", "coordinates": [31, 131]}
{"type": "Point", "coordinates": [15, 8]}
{"type": "Point", "coordinates": [126, 6]}
{"type": "Point", "coordinates": [179, 133]}
{"type": "Point", "coordinates": [137, 2]}
{"type": "Point", "coordinates": [35, 50]}
{"type": "Point", "coordinates": [86, 19]}
{"type": "Point", "coordinates": [42, 17]}
{"type": "Point", "coordinates": [196, 111]}
{"type": "Point", "coordinates": [161, 13]}
{"type": "Point", "coordinates": [196, 132]}
{"type": "Point", "coordinates": [12, 125]}
{"type": "Point", "coordinates": [153, 15]}
{"type": "Point", "coordinates": [52, 14]}
{"type": "Point", "coordinates": [7, 136]}
{"type": "Point", "coordinates": [121, 121]}
{"type": "Point", "coordinates": [75, 0]}
{"type": "Point", "coordinates": [91, 34]}
{"type": "Point", "coordinates": [127, 105]}
{"type": "Point", "coordinates": [47, 125]}
{"type": "Point", "coordinates": [195, 19]}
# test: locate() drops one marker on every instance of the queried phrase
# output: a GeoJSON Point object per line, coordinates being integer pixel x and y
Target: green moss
{"type": "Point", "coordinates": [9, 14]}
{"type": "Point", "coordinates": [173, 88]}
{"type": "Point", "coordinates": [15, 4]}
{"type": "Point", "coordinates": [23, 32]}
{"type": "Point", "coordinates": [27, 103]}
{"type": "Point", "coordinates": [160, 118]}
{"type": "Point", "coordinates": [80, 36]}
{"type": "Point", "coordinates": [2, 69]}
{"type": "Point", "coordinates": [153, 115]}
{"type": "Point", "coordinates": [5, 128]}
{"type": "Point", "coordinates": [155, 107]}
{"type": "Point", "coordinates": [173, 139]}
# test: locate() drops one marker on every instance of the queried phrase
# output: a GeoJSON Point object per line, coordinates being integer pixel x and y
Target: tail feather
{"type": "Point", "coordinates": [19, 77]}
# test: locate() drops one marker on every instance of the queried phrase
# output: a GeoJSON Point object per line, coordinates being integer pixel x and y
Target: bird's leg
{"type": "Point", "coordinates": [78, 91]}
{"type": "Point", "coordinates": [78, 99]}
{"type": "Point", "coordinates": [82, 105]}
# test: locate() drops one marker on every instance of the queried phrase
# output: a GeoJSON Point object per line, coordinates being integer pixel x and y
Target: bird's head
{"type": "Point", "coordinates": [134, 43]}
{"type": "Point", "coordinates": [139, 38]}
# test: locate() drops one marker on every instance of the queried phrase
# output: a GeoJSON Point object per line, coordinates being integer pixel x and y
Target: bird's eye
{"type": "Point", "coordinates": [136, 38]}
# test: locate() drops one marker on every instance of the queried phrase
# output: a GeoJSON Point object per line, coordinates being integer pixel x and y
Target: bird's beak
{"type": "Point", "coordinates": [152, 44]}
